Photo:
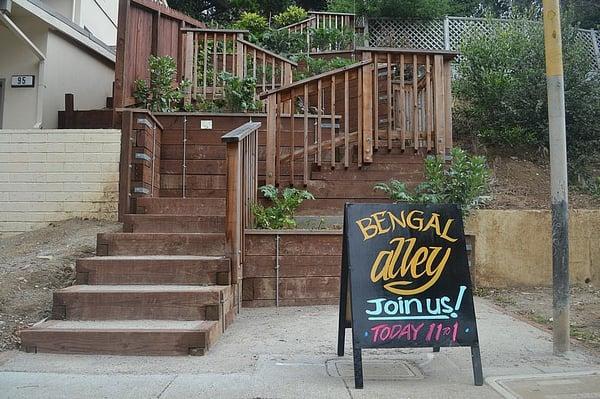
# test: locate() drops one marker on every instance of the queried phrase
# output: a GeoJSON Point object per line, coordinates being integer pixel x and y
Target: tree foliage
{"type": "Point", "coordinates": [501, 91]}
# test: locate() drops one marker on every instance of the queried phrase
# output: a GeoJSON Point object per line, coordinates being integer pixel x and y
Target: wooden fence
{"type": "Point", "coordinates": [139, 166]}
{"type": "Point", "coordinates": [145, 28]}
{"type": "Point", "coordinates": [210, 52]}
{"type": "Point", "coordinates": [393, 98]}
{"type": "Point", "coordinates": [326, 20]}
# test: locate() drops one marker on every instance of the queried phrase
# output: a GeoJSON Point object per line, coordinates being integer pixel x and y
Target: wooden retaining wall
{"type": "Point", "coordinates": [309, 268]}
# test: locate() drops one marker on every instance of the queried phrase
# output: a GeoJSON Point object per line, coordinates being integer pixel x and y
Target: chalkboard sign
{"type": "Point", "coordinates": [405, 281]}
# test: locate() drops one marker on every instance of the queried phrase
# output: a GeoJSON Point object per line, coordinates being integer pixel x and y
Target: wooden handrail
{"type": "Point", "coordinates": [401, 98]}
{"type": "Point", "coordinates": [216, 30]}
{"type": "Point", "coordinates": [242, 187]}
{"type": "Point", "coordinates": [264, 50]}
{"type": "Point", "coordinates": [241, 132]}
{"type": "Point", "coordinates": [304, 21]}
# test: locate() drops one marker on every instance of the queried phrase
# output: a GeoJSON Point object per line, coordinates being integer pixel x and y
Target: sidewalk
{"type": "Point", "coordinates": [290, 353]}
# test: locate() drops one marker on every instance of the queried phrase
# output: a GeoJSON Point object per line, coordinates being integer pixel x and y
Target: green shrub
{"type": "Point", "coordinates": [500, 91]}
{"type": "Point", "coordinates": [406, 9]}
{"type": "Point", "coordinates": [291, 15]}
{"type": "Point", "coordinates": [239, 93]}
{"type": "Point", "coordinates": [160, 95]}
{"type": "Point", "coordinates": [332, 38]}
{"type": "Point", "coordinates": [280, 215]}
{"type": "Point", "coordinates": [255, 23]}
{"type": "Point", "coordinates": [283, 42]}
{"type": "Point", "coordinates": [316, 66]}
{"type": "Point", "coordinates": [464, 182]}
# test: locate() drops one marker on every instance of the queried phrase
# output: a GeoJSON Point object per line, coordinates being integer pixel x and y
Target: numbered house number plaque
{"type": "Point", "coordinates": [22, 81]}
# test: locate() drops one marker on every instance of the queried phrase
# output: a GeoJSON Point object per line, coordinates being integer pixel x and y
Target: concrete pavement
{"type": "Point", "coordinates": [290, 353]}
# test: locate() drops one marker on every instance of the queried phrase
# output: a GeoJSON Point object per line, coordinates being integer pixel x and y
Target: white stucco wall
{"type": "Point", "coordinates": [16, 59]}
{"type": "Point", "coordinates": [52, 175]}
{"type": "Point", "coordinates": [70, 69]}
{"type": "Point", "coordinates": [100, 18]}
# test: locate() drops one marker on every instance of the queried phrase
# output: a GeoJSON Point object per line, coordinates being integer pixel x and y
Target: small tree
{"type": "Point", "coordinates": [160, 95]}
{"type": "Point", "coordinates": [407, 9]}
{"type": "Point", "coordinates": [255, 23]}
{"type": "Point", "coordinates": [280, 215]}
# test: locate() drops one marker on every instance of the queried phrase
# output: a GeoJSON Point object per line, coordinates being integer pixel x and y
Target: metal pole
{"type": "Point", "coordinates": [558, 176]}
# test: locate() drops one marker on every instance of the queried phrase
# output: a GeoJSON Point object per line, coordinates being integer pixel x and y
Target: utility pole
{"type": "Point", "coordinates": [558, 176]}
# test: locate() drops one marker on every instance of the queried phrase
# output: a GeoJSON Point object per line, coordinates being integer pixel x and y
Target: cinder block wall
{"type": "Point", "coordinates": [53, 175]}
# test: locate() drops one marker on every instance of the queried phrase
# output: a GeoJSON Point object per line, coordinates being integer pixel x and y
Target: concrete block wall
{"type": "Point", "coordinates": [53, 175]}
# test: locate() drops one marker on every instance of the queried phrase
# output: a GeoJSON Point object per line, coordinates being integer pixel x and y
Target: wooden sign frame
{"type": "Point", "coordinates": [349, 316]}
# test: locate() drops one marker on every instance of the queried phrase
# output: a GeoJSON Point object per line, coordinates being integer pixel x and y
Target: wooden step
{"type": "Point", "coordinates": [204, 244]}
{"type": "Point", "coordinates": [367, 174]}
{"type": "Point", "coordinates": [331, 206]}
{"type": "Point", "coordinates": [181, 206]}
{"type": "Point", "coordinates": [142, 302]}
{"type": "Point", "coordinates": [122, 337]}
{"type": "Point", "coordinates": [179, 270]}
{"type": "Point", "coordinates": [154, 223]}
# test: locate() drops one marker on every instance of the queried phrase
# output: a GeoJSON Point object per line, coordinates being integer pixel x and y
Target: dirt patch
{"type": "Point", "coordinates": [33, 264]}
{"type": "Point", "coordinates": [535, 305]}
{"type": "Point", "coordinates": [523, 184]}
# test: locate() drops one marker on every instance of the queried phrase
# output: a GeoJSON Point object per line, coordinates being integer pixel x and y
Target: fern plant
{"type": "Point", "coordinates": [280, 215]}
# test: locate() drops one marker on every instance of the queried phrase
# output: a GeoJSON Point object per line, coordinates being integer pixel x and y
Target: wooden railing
{"type": "Point", "coordinates": [242, 187]}
{"type": "Point", "coordinates": [322, 19]}
{"type": "Point", "coordinates": [209, 52]}
{"type": "Point", "coordinates": [394, 98]}
{"type": "Point", "coordinates": [139, 166]}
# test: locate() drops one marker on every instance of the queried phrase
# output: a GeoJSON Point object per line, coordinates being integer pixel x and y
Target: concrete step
{"type": "Point", "coordinates": [202, 244]}
{"type": "Point", "coordinates": [142, 302]}
{"type": "Point", "coordinates": [155, 223]}
{"type": "Point", "coordinates": [181, 206]}
{"type": "Point", "coordinates": [122, 337]}
{"type": "Point", "coordinates": [147, 269]}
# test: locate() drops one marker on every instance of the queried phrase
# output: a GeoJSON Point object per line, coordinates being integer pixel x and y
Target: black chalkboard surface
{"type": "Point", "coordinates": [405, 280]}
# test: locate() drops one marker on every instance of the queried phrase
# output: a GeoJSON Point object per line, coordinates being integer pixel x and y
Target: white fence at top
{"type": "Point", "coordinates": [447, 33]}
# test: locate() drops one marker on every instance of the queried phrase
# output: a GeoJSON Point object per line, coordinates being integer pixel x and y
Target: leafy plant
{"type": "Point", "coordinates": [501, 97]}
{"type": "Point", "coordinates": [315, 66]}
{"type": "Point", "coordinates": [255, 23]}
{"type": "Point", "coordinates": [160, 95]}
{"type": "Point", "coordinates": [280, 215]}
{"type": "Point", "coordinates": [464, 182]}
{"type": "Point", "coordinates": [332, 38]}
{"type": "Point", "coordinates": [283, 42]}
{"type": "Point", "coordinates": [291, 15]}
{"type": "Point", "coordinates": [239, 93]}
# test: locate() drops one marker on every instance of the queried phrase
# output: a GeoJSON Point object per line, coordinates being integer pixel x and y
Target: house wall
{"type": "Point", "coordinates": [88, 78]}
{"type": "Point", "coordinates": [52, 175]}
{"type": "Point", "coordinates": [69, 68]}
{"type": "Point", "coordinates": [17, 59]}
{"type": "Point", "coordinates": [100, 18]}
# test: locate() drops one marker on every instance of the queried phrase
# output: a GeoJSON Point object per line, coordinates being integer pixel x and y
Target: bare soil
{"type": "Point", "coordinates": [522, 184]}
{"type": "Point", "coordinates": [33, 264]}
{"type": "Point", "coordinates": [535, 305]}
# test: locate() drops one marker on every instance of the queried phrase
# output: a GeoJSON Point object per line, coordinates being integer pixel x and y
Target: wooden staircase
{"type": "Point", "coordinates": [162, 287]}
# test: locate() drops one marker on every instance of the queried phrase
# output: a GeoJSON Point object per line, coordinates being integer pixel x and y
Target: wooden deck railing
{"type": "Point", "coordinates": [209, 52]}
{"type": "Point", "coordinates": [394, 98]}
{"type": "Point", "coordinates": [242, 187]}
{"type": "Point", "coordinates": [139, 166]}
{"type": "Point", "coordinates": [323, 19]}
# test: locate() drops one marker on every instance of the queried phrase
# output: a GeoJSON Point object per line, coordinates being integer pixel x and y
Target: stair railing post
{"type": "Point", "coordinates": [233, 211]}
{"type": "Point", "coordinates": [188, 67]}
{"type": "Point", "coordinates": [125, 164]}
{"type": "Point", "coordinates": [367, 108]}
{"type": "Point", "coordinates": [271, 138]}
